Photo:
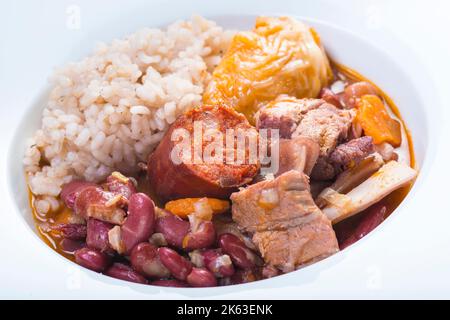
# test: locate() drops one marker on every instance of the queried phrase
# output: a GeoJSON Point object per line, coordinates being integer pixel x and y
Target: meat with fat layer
{"type": "Point", "coordinates": [311, 118]}
{"type": "Point", "coordinates": [287, 226]}
{"type": "Point", "coordinates": [327, 125]}
{"type": "Point", "coordinates": [285, 113]}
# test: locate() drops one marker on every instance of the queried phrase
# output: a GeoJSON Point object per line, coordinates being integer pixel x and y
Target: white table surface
{"type": "Point", "coordinates": [412, 264]}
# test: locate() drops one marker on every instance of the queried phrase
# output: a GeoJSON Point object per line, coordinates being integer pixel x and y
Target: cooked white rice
{"type": "Point", "coordinates": [108, 111]}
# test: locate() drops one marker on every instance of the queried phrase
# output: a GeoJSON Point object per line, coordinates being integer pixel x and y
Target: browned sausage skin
{"type": "Point", "coordinates": [188, 179]}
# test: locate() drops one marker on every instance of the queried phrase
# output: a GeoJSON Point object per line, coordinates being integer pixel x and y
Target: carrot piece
{"type": "Point", "coordinates": [376, 122]}
{"type": "Point", "coordinates": [185, 207]}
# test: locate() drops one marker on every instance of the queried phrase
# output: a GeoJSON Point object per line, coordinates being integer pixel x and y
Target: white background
{"type": "Point", "coordinates": [414, 264]}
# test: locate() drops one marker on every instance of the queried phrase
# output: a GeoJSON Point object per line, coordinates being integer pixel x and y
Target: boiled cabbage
{"type": "Point", "coordinates": [280, 56]}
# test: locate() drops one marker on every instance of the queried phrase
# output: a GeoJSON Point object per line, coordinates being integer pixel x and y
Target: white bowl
{"type": "Point", "coordinates": [363, 268]}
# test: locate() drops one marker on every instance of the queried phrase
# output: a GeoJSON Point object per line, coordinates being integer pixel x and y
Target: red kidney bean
{"type": "Point", "coordinates": [123, 272]}
{"type": "Point", "coordinates": [355, 91]}
{"type": "Point", "coordinates": [118, 184]}
{"type": "Point", "coordinates": [145, 260]}
{"type": "Point", "coordinates": [92, 259]}
{"type": "Point", "coordinates": [200, 277]}
{"type": "Point", "coordinates": [240, 277]}
{"type": "Point", "coordinates": [330, 97]}
{"type": "Point", "coordinates": [173, 228]}
{"type": "Point", "coordinates": [140, 222]}
{"type": "Point", "coordinates": [227, 225]}
{"type": "Point", "coordinates": [353, 229]}
{"type": "Point", "coordinates": [241, 256]}
{"type": "Point", "coordinates": [179, 266]}
{"type": "Point", "coordinates": [71, 231]}
{"type": "Point", "coordinates": [170, 283]}
{"type": "Point", "coordinates": [97, 235]}
{"type": "Point", "coordinates": [218, 263]}
{"type": "Point", "coordinates": [71, 246]}
{"type": "Point", "coordinates": [202, 237]}
{"type": "Point", "coordinates": [94, 202]}
{"type": "Point", "coordinates": [71, 191]}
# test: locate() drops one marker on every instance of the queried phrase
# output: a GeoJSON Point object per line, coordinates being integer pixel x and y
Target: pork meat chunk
{"type": "Point", "coordinates": [285, 113]}
{"type": "Point", "coordinates": [309, 118]}
{"type": "Point", "coordinates": [328, 126]}
{"type": "Point", "coordinates": [287, 226]}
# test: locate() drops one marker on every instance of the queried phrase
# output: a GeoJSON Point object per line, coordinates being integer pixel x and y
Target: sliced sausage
{"type": "Point", "coordinates": [183, 178]}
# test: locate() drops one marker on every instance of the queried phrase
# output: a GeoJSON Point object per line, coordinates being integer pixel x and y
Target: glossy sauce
{"type": "Point", "coordinates": [62, 215]}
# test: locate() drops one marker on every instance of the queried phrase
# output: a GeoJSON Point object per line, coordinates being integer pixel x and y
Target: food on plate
{"type": "Point", "coordinates": [287, 226]}
{"type": "Point", "coordinates": [316, 119]}
{"type": "Point", "coordinates": [279, 56]}
{"type": "Point", "coordinates": [198, 157]}
{"type": "Point", "coordinates": [108, 111]}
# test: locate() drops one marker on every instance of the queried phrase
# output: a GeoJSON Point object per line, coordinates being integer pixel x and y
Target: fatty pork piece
{"type": "Point", "coordinates": [328, 126]}
{"type": "Point", "coordinates": [311, 118]}
{"type": "Point", "coordinates": [285, 114]}
{"type": "Point", "coordinates": [287, 226]}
